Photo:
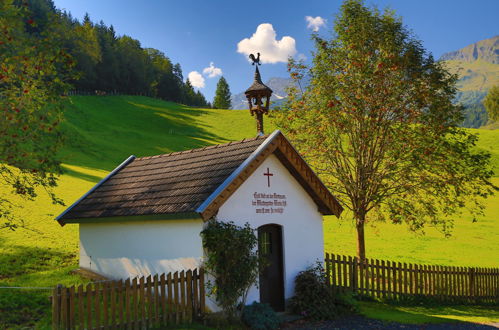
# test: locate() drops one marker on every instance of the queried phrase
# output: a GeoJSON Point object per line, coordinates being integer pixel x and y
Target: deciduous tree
{"type": "Point", "coordinates": [33, 69]}
{"type": "Point", "coordinates": [377, 122]}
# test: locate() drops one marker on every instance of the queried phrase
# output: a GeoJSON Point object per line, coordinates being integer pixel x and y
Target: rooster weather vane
{"type": "Point", "coordinates": [256, 60]}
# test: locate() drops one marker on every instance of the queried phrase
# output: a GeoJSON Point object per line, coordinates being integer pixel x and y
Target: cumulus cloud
{"type": "Point", "coordinates": [315, 23]}
{"type": "Point", "coordinates": [212, 71]}
{"type": "Point", "coordinates": [196, 79]}
{"type": "Point", "coordinates": [264, 41]}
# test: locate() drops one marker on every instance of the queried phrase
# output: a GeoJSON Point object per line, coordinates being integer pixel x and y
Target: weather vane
{"type": "Point", "coordinates": [256, 60]}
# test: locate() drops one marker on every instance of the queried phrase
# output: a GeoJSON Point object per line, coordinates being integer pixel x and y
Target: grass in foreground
{"type": "Point", "coordinates": [424, 315]}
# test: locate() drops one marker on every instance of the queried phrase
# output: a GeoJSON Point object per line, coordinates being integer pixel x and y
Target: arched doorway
{"type": "Point", "coordinates": [272, 278]}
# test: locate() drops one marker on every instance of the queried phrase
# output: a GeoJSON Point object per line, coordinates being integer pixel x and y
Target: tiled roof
{"type": "Point", "coordinates": [193, 181]}
{"type": "Point", "coordinates": [172, 183]}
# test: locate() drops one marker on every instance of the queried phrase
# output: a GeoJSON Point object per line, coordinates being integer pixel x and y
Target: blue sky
{"type": "Point", "coordinates": [196, 33]}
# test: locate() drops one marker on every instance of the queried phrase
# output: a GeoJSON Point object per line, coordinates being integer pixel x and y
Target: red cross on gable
{"type": "Point", "coordinates": [268, 175]}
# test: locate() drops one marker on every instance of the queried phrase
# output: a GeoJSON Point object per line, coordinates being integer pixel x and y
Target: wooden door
{"type": "Point", "coordinates": [272, 278]}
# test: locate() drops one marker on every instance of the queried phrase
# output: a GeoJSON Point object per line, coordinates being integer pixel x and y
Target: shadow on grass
{"type": "Point", "coordinates": [456, 315]}
{"type": "Point", "coordinates": [80, 175]}
{"type": "Point", "coordinates": [16, 261]}
{"type": "Point", "coordinates": [103, 131]}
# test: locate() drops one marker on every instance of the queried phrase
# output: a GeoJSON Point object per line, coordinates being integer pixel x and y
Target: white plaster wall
{"type": "Point", "coordinates": [127, 249]}
{"type": "Point", "coordinates": [303, 241]}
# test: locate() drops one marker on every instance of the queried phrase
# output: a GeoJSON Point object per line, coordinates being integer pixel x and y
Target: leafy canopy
{"type": "Point", "coordinates": [377, 122]}
{"type": "Point", "coordinates": [491, 103]}
{"type": "Point", "coordinates": [33, 73]}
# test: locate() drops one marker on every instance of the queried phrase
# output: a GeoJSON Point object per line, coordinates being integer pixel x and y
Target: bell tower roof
{"type": "Point", "coordinates": [258, 86]}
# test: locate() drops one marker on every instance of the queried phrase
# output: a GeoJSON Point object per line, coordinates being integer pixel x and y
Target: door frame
{"type": "Point", "coordinates": [279, 287]}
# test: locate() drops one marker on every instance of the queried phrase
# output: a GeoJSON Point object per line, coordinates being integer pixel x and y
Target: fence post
{"type": "Point", "coordinates": [56, 306]}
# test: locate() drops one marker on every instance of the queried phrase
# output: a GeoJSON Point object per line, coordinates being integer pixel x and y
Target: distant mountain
{"type": "Point", "coordinates": [478, 68]}
{"type": "Point", "coordinates": [486, 50]}
{"type": "Point", "coordinates": [278, 86]}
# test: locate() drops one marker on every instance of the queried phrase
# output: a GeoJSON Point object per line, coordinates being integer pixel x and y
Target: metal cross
{"type": "Point", "coordinates": [268, 175]}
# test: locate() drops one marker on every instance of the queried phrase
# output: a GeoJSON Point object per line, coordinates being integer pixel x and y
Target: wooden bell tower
{"type": "Point", "coordinates": [258, 95]}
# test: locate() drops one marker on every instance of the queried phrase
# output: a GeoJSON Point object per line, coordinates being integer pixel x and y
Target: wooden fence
{"type": "Point", "coordinates": [395, 280]}
{"type": "Point", "coordinates": [137, 303]}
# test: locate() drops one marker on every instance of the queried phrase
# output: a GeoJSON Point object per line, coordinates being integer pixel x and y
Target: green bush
{"type": "Point", "coordinates": [260, 316]}
{"type": "Point", "coordinates": [231, 258]}
{"type": "Point", "coordinates": [315, 300]}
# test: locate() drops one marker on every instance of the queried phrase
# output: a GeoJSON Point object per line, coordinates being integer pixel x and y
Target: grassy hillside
{"type": "Point", "coordinates": [104, 130]}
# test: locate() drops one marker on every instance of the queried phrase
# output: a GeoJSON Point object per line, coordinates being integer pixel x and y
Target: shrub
{"type": "Point", "coordinates": [314, 298]}
{"type": "Point", "coordinates": [260, 317]}
{"type": "Point", "coordinates": [231, 258]}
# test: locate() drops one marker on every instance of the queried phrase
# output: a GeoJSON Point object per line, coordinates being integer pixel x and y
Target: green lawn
{"type": "Point", "coordinates": [425, 315]}
{"type": "Point", "coordinates": [104, 130]}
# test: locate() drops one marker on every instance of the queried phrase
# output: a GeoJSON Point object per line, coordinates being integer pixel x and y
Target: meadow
{"type": "Point", "coordinates": [104, 130]}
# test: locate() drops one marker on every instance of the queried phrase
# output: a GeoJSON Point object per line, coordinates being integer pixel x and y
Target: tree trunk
{"type": "Point", "coordinates": [361, 244]}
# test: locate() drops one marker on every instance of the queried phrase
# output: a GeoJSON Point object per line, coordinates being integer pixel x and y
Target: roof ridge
{"type": "Point", "coordinates": [213, 146]}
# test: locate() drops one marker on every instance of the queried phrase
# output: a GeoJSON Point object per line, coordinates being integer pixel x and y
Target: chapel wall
{"type": "Point", "coordinates": [285, 203]}
{"type": "Point", "coordinates": [129, 249]}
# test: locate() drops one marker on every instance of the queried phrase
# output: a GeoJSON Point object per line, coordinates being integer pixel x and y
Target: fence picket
{"type": "Point", "coordinates": [338, 265]}
{"type": "Point", "coordinates": [202, 293]}
{"type": "Point", "coordinates": [142, 302]}
{"type": "Point", "coordinates": [156, 321]}
{"type": "Point", "coordinates": [345, 274]}
{"type": "Point", "coordinates": [88, 290]}
{"type": "Point", "coordinates": [135, 303]}
{"type": "Point", "coordinates": [188, 276]}
{"type": "Point", "coordinates": [328, 270]}
{"type": "Point", "coordinates": [112, 289]}
{"type": "Point", "coordinates": [97, 305]}
{"type": "Point", "coordinates": [182, 295]}
{"type": "Point", "coordinates": [170, 296]}
{"type": "Point", "coordinates": [81, 306]}
{"type": "Point", "coordinates": [128, 295]}
{"type": "Point", "coordinates": [64, 308]}
{"type": "Point", "coordinates": [149, 302]}
{"type": "Point", "coordinates": [119, 294]}
{"type": "Point", "coordinates": [195, 292]}
{"type": "Point", "coordinates": [162, 284]}
{"type": "Point", "coordinates": [176, 297]}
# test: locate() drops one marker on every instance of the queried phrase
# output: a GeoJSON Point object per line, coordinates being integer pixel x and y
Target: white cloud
{"type": "Point", "coordinates": [196, 79]}
{"type": "Point", "coordinates": [315, 23]}
{"type": "Point", "coordinates": [301, 57]}
{"type": "Point", "coordinates": [212, 71]}
{"type": "Point", "coordinates": [264, 41]}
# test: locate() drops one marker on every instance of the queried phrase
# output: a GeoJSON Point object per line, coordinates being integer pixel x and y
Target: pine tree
{"type": "Point", "coordinates": [222, 95]}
